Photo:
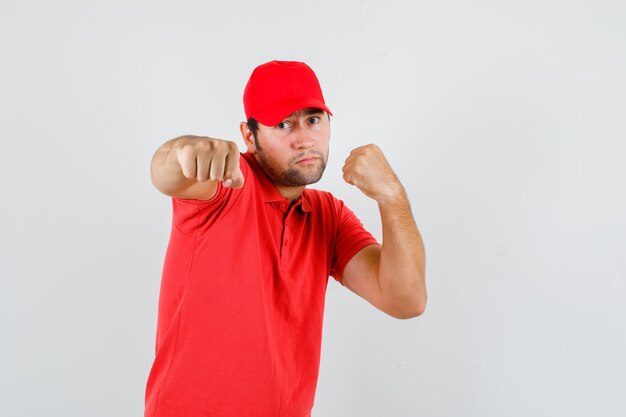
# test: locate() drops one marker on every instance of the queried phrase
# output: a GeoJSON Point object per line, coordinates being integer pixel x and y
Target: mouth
{"type": "Point", "coordinates": [310, 158]}
{"type": "Point", "coordinates": [307, 160]}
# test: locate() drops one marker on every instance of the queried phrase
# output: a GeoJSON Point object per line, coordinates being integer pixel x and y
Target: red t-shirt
{"type": "Point", "coordinates": [242, 300]}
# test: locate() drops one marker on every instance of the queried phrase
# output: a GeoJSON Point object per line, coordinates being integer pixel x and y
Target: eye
{"type": "Point", "coordinates": [314, 120]}
{"type": "Point", "coordinates": [282, 125]}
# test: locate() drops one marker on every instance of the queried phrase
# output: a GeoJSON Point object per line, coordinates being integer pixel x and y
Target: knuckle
{"type": "Point", "coordinates": [186, 151]}
{"type": "Point", "coordinates": [230, 173]}
{"type": "Point", "coordinates": [206, 145]}
{"type": "Point", "coordinates": [223, 148]}
{"type": "Point", "coordinates": [191, 174]}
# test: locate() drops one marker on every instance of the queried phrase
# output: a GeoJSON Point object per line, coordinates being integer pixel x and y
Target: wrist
{"type": "Point", "coordinates": [393, 196]}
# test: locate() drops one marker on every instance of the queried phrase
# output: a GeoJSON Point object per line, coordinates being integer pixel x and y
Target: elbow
{"type": "Point", "coordinates": [421, 304]}
{"type": "Point", "coordinates": [409, 303]}
{"type": "Point", "coordinates": [409, 310]}
{"type": "Point", "coordinates": [416, 299]}
{"type": "Point", "coordinates": [421, 308]}
{"type": "Point", "coordinates": [416, 312]}
{"type": "Point", "coordinates": [416, 306]}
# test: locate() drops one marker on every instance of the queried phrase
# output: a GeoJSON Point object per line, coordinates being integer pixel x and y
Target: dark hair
{"type": "Point", "coordinates": [253, 125]}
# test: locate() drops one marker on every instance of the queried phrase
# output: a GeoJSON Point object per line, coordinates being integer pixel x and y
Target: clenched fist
{"type": "Point", "coordinates": [203, 158]}
{"type": "Point", "coordinates": [367, 169]}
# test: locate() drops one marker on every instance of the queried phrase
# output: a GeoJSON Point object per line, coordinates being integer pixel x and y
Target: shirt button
{"type": "Point", "coordinates": [282, 205]}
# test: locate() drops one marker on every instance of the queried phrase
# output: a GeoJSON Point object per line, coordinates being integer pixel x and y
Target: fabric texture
{"type": "Point", "coordinates": [242, 297]}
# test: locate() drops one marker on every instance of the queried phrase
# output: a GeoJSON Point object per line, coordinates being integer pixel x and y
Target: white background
{"type": "Point", "coordinates": [506, 121]}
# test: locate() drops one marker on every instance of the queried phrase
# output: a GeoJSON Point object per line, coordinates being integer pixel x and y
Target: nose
{"type": "Point", "coordinates": [302, 138]}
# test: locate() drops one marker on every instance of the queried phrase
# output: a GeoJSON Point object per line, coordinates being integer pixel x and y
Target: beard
{"type": "Point", "coordinates": [293, 176]}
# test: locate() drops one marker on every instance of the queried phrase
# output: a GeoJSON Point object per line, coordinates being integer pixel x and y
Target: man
{"type": "Point", "coordinates": [251, 249]}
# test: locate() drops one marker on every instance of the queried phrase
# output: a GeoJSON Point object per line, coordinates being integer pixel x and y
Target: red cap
{"type": "Point", "coordinates": [278, 88]}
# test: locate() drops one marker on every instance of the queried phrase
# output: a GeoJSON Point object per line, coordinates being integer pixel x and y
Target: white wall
{"type": "Point", "coordinates": [504, 119]}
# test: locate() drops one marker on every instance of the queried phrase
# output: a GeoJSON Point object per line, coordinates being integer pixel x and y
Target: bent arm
{"type": "Point", "coordinates": [392, 276]}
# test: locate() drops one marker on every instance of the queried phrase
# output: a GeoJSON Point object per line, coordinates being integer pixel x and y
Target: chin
{"type": "Point", "coordinates": [296, 178]}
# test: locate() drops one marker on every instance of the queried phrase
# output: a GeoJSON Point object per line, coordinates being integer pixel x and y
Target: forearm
{"type": "Point", "coordinates": [401, 271]}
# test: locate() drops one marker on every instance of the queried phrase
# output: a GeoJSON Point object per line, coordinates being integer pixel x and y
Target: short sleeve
{"type": "Point", "coordinates": [350, 238]}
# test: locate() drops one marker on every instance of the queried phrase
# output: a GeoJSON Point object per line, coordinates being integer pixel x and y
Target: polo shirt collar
{"type": "Point", "coordinates": [268, 190]}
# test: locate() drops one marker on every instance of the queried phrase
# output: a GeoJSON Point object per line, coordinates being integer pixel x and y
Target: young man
{"type": "Point", "coordinates": [251, 249]}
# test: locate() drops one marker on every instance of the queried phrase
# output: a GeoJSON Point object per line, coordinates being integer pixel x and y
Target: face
{"type": "Point", "coordinates": [295, 151]}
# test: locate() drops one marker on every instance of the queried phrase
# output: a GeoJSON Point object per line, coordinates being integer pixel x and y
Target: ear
{"type": "Point", "coordinates": [247, 136]}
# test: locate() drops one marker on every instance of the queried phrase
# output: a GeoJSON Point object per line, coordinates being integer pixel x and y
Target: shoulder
{"type": "Point", "coordinates": [324, 202]}
{"type": "Point", "coordinates": [322, 199]}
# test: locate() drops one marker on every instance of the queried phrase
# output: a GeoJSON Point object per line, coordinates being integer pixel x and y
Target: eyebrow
{"type": "Point", "coordinates": [306, 112]}
{"type": "Point", "coordinates": [309, 111]}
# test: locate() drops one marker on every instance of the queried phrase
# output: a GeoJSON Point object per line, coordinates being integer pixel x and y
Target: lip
{"type": "Point", "coordinates": [307, 160]}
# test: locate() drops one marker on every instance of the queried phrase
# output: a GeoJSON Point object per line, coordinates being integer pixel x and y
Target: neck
{"type": "Point", "coordinates": [290, 193]}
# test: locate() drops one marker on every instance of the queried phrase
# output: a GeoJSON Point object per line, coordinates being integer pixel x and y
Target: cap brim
{"type": "Point", "coordinates": [277, 112]}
